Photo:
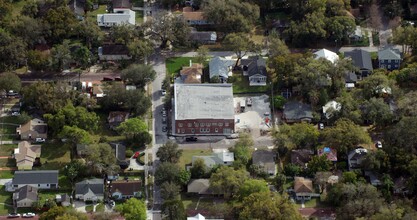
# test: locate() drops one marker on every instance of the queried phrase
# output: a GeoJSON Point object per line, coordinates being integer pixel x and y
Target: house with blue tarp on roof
{"type": "Point", "coordinates": [331, 153]}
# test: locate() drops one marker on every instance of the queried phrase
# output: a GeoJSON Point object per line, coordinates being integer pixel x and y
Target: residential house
{"type": "Point", "coordinates": [265, 160]}
{"type": "Point", "coordinates": [194, 17]}
{"type": "Point", "coordinates": [119, 16]}
{"type": "Point", "coordinates": [303, 189]}
{"type": "Point", "coordinates": [400, 186]}
{"type": "Point", "coordinates": [373, 178]}
{"type": "Point", "coordinates": [121, 4]}
{"type": "Point", "coordinates": [357, 35]}
{"type": "Point", "coordinates": [255, 69]}
{"type": "Point", "coordinates": [203, 109]}
{"type": "Point", "coordinates": [295, 111]}
{"type": "Point", "coordinates": [35, 128]}
{"type": "Point", "coordinates": [330, 108]}
{"type": "Point", "coordinates": [82, 149]}
{"type": "Point", "coordinates": [355, 158]}
{"type": "Point", "coordinates": [78, 8]}
{"type": "Point", "coordinates": [197, 217]}
{"type": "Point", "coordinates": [221, 67]}
{"type": "Point", "coordinates": [25, 197]}
{"type": "Point", "coordinates": [199, 186]}
{"type": "Point", "coordinates": [41, 179]}
{"type": "Point", "coordinates": [114, 52]}
{"type": "Point", "coordinates": [120, 153]}
{"type": "Point", "coordinates": [125, 189]}
{"type": "Point", "coordinates": [330, 153]}
{"type": "Point", "coordinates": [327, 55]}
{"type": "Point", "coordinates": [90, 190]}
{"type": "Point", "coordinates": [220, 158]}
{"type": "Point", "coordinates": [203, 37]}
{"type": "Point", "coordinates": [350, 80]}
{"type": "Point", "coordinates": [301, 157]}
{"type": "Point", "coordinates": [63, 199]}
{"type": "Point", "coordinates": [26, 154]}
{"type": "Point", "coordinates": [192, 73]}
{"type": "Point", "coordinates": [115, 118]}
{"type": "Point", "coordinates": [361, 59]}
{"type": "Point", "coordinates": [389, 58]}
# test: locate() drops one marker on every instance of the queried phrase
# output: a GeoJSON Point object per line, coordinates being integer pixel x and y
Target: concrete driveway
{"type": "Point", "coordinates": [134, 165]}
{"type": "Point", "coordinates": [254, 117]}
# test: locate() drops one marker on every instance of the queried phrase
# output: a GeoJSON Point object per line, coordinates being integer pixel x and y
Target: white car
{"type": "Point", "coordinates": [15, 113]}
{"type": "Point", "coordinates": [40, 140]}
{"type": "Point", "coordinates": [163, 92]}
{"type": "Point", "coordinates": [378, 144]}
{"type": "Point", "coordinates": [28, 215]}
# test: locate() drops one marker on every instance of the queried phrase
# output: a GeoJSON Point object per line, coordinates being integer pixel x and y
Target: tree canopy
{"type": "Point", "coordinates": [169, 152]}
{"type": "Point", "coordinates": [135, 131]}
{"type": "Point", "coordinates": [138, 74]}
{"type": "Point", "coordinates": [133, 209]}
{"type": "Point", "coordinates": [227, 181]}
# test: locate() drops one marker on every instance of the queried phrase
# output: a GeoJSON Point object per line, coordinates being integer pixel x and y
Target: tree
{"type": "Point", "coordinates": [133, 209]}
{"type": "Point", "coordinates": [90, 33]}
{"type": "Point", "coordinates": [82, 56]}
{"type": "Point", "coordinates": [240, 44]}
{"type": "Point", "coordinates": [174, 209]}
{"type": "Point", "coordinates": [355, 200]}
{"type": "Point", "coordinates": [401, 209]}
{"type": "Point", "coordinates": [349, 177]}
{"type": "Point", "coordinates": [401, 137]}
{"type": "Point", "coordinates": [60, 20]}
{"type": "Point", "coordinates": [299, 135]}
{"type": "Point", "coordinates": [377, 85]}
{"type": "Point", "coordinates": [377, 111]}
{"type": "Point", "coordinates": [10, 81]}
{"type": "Point", "coordinates": [140, 48]}
{"type": "Point", "coordinates": [73, 116]}
{"type": "Point", "coordinates": [292, 170]}
{"type": "Point", "coordinates": [12, 50]}
{"type": "Point", "coordinates": [340, 27]}
{"type": "Point", "coordinates": [75, 135]}
{"type": "Point", "coordinates": [73, 215]}
{"type": "Point", "coordinates": [53, 213]}
{"type": "Point", "coordinates": [231, 16]}
{"type": "Point", "coordinates": [168, 29]}
{"type": "Point", "coordinates": [101, 158]}
{"type": "Point", "coordinates": [252, 186]}
{"type": "Point", "coordinates": [135, 131]}
{"type": "Point", "coordinates": [167, 172]}
{"type": "Point", "coordinates": [319, 164]}
{"type": "Point", "coordinates": [321, 178]}
{"type": "Point", "coordinates": [123, 34]}
{"type": "Point", "coordinates": [169, 152]}
{"type": "Point", "coordinates": [74, 170]}
{"type": "Point", "coordinates": [61, 55]}
{"type": "Point", "coordinates": [104, 215]}
{"type": "Point", "coordinates": [279, 102]}
{"type": "Point", "coordinates": [138, 74]}
{"type": "Point", "coordinates": [375, 20]}
{"type": "Point", "coordinates": [118, 98]}
{"type": "Point", "coordinates": [202, 54]}
{"type": "Point", "coordinates": [377, 161]}
{"type": "Point", "coordinates": [38, 60]}
{"type": "Point", "coordinates": [407, 104]}
{"type": "Point", "coordinates": [184, 177]}
{"type": "Point", "coordinates": [170, 191]}
{"type": "Point", "coordinates": [227, 181]}
{"type": "Point", "coordinates": [268, 205]}
{"type": "Point", "coordinates": [350, 108]}
{"type": "Point", "coordinates": [345, 135]}
{"type": "Point", "coordinates": [276, 46]}
{"type": "Point", "coordinates": [242, 149]}
{"type": "Point", "coordinates": [279, 182]}
{"type": "Point", "coordinates": [31, 30]}
{"type": "Point", "coordinates": [199, 169]}
{"type": "Point", "coordinates": [309, 29]}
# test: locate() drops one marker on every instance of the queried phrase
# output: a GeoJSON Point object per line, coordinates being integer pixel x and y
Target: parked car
{"type": "Point", "coordinates": [15, 113]}
{"type": "Point", "coordinates": [163, 92]}
{"type": "Point", "coordinates": [249, 101]}
{"type": "Point", "coordinates": [378, 144]}
{"type": "Point", "coordinates": [321, 126]}
{"type": "Point", "coordinates": [13, 215]}
{"type": "Point", "coordinates": [164, 129]}
{"type": "Point", "coordinates": [233, 136]}
{"type": "Point", "coordinates": [136, 155]}
{"type": "Point", "coordinates": [164, 120]}
{"type": "Point", "coordinates": [164, 113]}
{"type": "Point", "coordinates": [40, 140]}
{"type": "Point", "coordinates": [190, 139]}
{"type": "Point", "coordinates": [28, 215]}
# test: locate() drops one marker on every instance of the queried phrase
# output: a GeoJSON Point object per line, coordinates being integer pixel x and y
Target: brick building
{"type": "Point", "coordinates": [203, 109]}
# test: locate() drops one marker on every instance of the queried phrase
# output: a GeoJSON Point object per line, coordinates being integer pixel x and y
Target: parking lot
{"type": "Point", "coordinates": [255, 118]}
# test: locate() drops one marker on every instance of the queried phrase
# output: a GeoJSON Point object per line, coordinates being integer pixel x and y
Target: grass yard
{"type": "Point", "coordinates": [139, 17]}
{"type": "Point", "coordinates": [6, 174]}
{"type": "Point", "coordinates": [7, 149]}
{"type": "Point", "coordinates": [92, 15]}
{"type": "Point", "coordinates": [241, 85]}
{"type": "Point", "coordinates": [89, 208]}
{"type": "Point", "coordinates": [174, 64]}
{"type": "Point", "coordinates": [5, 198]}
{"type": "Point", "coordinates": [205, 206]}
{"type": "Point", "coordinates": [55, 156]}
{"type": "Point", "coordinates": [187, 156]}
{"type": "Point", "coordinates": [100, 207]}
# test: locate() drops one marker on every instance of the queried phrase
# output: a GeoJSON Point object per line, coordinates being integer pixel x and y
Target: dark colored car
{"type": "Point", "coordinates": [190, 139]}
{"type": "Point", "coordinates": [164, 129]}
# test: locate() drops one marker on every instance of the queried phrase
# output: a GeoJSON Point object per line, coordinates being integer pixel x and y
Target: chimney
{"type": "Point", "coordinates": [191, 63]}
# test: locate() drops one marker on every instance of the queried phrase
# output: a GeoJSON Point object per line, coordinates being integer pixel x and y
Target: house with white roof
{"type": "Point", "coordinates": [330, 108]}
{"type": "Point", "coordinates": [118, 17]}
{"type": "Point", "coordinates": [326, 54]}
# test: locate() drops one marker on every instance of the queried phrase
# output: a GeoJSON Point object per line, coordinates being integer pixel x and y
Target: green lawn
{"type": "Point", "coordinates": [139, 17]}
{"type": "Point", "coordinates": [100, 207]}
{"type": "Point", "coordinates": [92, 15]}
{"type": "Point", "coordinates": [5, 198]}
{"type": "Point", "coordinates": [174, 64]}
{"type": "Point", "coordinates": [89, 208]}
{"type": "Point", "coordinates": [55, 156]}
{"type": "Point", "coordinates": [214, 207]}
{"type": "Point", "coordinates": [7, 149]}
{"type": "Point", "coordinates": [6, 174]}
{"type": "Point", "coordinates": [241, 85]}
{"type": "Point", "coordinates": [187, 156]}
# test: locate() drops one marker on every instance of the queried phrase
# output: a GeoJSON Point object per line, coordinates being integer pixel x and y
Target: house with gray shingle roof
{"type": "Point", "coordinates": [361, 59]}
{"type": "Point", "coordinates": [25, 197]}
{"type": "Point", "coordinates": [41, 179]}
{"type": "Point", "coordinates": [265, 160]}
{"type": "Point", "coordinates": [221, 67]}
{"type": "Point", "coordinates": [295, 111]}
{"type": "Point", "coordinates": [255, 69]}
{"type": "Point", "coordinates": [389, 58]}
{"type": "Point", "coordinates": [90, 190]}
{"type": "Point", "coordinates": [221, 158]}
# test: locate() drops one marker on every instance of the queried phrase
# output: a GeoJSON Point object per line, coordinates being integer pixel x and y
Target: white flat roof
{"type": "Point", "coordinates": [203, 101]}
